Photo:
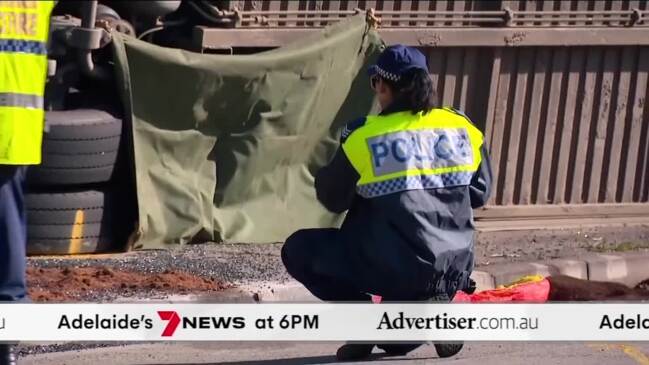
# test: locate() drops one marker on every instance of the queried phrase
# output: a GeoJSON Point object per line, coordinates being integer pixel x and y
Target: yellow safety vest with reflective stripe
{"type": "Point", "coordinates": [24, 28]}
{"type": "Point", "coordinates": [404, 151]}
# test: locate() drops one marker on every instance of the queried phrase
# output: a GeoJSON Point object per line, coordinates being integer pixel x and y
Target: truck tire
{"type": "Point", "coordinates": [448, 349]}
{"type": "Point", "coordinates": [71, 223]}
{"type": "Point", "coordinates": [80, 147]}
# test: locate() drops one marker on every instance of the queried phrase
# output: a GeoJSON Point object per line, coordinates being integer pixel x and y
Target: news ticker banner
{"type": "Point", "coordinates": [324, 322]}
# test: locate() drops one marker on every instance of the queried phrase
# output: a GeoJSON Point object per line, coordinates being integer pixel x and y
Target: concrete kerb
{"type": "Point", "coordinates": [570, 267]}
{"type": "Point", "coordinates": [504, 274]}
{"type": "Point", "coordinates": [293, 291]}
{"type": "Point", "coordinates": [626, 268]}
{"type": "Point", "coordinates": [267, 292]}
{"type": "Point", "coordinates": [290, 291]}
{"type": "Point", "coordinates": [483, 280]}
{"type": "Point", "coordinates": [629, 268]}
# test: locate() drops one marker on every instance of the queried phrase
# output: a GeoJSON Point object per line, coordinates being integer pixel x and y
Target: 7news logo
{"type": "Point", "coordinates": [198, 322]}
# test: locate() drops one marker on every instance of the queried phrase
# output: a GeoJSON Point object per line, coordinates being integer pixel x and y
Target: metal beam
{"type": "Point", "coordinates": [578, 223]}
{"type": "Point", "coordinates": [216, 38]}
{"type": "Point", "coordinates": [567, 211]}
{"type": "Point", "coordinates": [508, 37]}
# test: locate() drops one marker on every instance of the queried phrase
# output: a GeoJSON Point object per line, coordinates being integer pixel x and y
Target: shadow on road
{"type": "Point", "coordinates": [311, 360]}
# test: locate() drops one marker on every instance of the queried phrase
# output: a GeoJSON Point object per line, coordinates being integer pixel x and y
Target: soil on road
{"type": "Point", "coordinates": [75, 284]}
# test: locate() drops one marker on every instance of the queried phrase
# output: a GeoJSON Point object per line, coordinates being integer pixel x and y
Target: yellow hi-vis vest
{"type": "Point", "coordinates": [404, 151]}
{"type": "Point", "coordinates": [24, 27]}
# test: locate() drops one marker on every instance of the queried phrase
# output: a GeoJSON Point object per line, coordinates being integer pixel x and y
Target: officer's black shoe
{"type": "Point", "coordinates": [448, 349]}
{"type": "Point", "coordinates": [7, 355]}
{"type": "Point", "coordinates": [399, 349]}
{"type": "Point", "coordinates": [353, 351]}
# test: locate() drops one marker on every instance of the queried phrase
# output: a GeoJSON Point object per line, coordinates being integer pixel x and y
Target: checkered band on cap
{"type": "Point", "coordinates": [420, 182]}
{"type": "Point", "coordinates": [387, 75]}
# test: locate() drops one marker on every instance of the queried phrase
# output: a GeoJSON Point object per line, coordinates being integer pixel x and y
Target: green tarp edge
{"type": "Point", "coordinates": [226, 147]}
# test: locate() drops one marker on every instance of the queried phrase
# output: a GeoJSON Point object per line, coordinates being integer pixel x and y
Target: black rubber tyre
{"type": "Point", "coordinates": [86, 245]}
{"type": "Point", "coordinates": [448, 349]}
{"type": "Point", "coordinates": [53, 209]}
{"type": "Point", "coordinates": [64, 231]}
{"type": "Point", "coordinates": [80, 147]}
{"type": "Point", "coordinates": [71, 223]}
{"type": "Point", "coordinates": [399, 349]}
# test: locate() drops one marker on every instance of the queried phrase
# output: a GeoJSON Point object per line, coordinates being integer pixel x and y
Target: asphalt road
{"type": "Point", "coordinates": [322, 353]}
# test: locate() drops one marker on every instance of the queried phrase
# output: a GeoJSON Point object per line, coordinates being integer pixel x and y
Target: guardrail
{"type": "Point", "coordinates": [438, 18]}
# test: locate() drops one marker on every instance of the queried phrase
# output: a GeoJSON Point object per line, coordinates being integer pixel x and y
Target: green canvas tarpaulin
{"type": "Point", "coordinates": [226, 147]}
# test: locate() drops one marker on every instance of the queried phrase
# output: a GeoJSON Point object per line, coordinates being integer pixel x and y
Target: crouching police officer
{"type": "Point", "coordinates": [24, 27]}
{"type": "Point", "coordinates": [409, 179]}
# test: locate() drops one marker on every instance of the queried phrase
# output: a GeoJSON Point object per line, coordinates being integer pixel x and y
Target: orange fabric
{"type": "Point", "coordinates": [535, 292]}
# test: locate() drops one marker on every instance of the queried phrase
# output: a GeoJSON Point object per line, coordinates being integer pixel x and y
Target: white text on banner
{"type": "Point", "coordinates": [324, 322]}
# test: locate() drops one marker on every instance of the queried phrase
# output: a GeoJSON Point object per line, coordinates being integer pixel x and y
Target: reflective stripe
{"type": "Point", "coordinates": [22, 46]}
{"type": "Point", "coordinates": [27, 101]}
{"type": "Point", "coordinates": [23, 71]}
{"type": "Point", "coordinates": [417, 182]}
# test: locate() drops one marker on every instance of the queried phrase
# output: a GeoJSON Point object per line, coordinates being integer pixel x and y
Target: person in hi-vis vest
{"type": "Point", "coordinates": [24, 28]}
{"type": "Point", "coordinates": [409, 179]}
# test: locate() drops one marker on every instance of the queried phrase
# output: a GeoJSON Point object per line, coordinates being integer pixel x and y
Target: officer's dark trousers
{"type": "Point", "coordinates": [320, 260]}
{"type": "Point", "coordinates": [13, 234]}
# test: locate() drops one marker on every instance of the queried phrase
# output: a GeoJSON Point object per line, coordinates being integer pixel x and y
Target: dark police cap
{"type": "Point", "coordinates": [395, 60]}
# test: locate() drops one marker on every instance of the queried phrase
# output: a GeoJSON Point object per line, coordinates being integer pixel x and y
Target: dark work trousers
{"type": "Point", "coordinates": [13, 234]}
{"type": "Point", "coordinates": [320, 260]}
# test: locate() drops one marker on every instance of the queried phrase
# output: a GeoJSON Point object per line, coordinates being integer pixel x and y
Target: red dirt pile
{"type": "Point", "coordinates": [71, 284]}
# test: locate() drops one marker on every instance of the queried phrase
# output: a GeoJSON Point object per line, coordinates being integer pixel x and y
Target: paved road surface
{"type": "Point", "coordinates": [321, 353]}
